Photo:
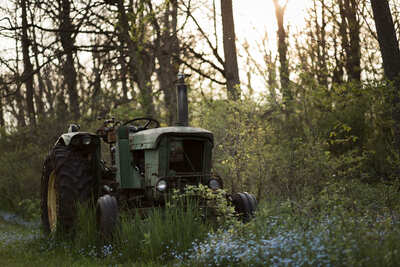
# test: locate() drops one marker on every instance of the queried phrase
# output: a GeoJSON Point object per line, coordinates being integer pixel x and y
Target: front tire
{"type": "Point", "coordinates": [107, 217]}
{"type": "Point", "coordinates": [67, 180]}
{"type": "Point", "coordinates": [245, 205]}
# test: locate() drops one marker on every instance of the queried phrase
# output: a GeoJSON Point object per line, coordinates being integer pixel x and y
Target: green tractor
{"type": "Point", "coordinates": [147, 163]}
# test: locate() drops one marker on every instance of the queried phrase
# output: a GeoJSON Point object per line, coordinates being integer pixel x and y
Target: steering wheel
{"type": "Point", "coordinates": [143, 123]}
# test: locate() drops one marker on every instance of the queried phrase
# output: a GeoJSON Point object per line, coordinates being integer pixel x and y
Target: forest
{"type": "Point", "coordinates": [306, 119]}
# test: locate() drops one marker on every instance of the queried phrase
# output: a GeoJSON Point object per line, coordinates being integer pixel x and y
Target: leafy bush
{"type": "Point", "coordinates": [255, 153]}
{"type": "Point", "coordinates": [323, 134]}
{"type": "Point", "coordinates": [20, 172]}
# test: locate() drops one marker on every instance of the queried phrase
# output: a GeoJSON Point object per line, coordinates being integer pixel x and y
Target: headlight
{"type": "Point", "coordinates": [80, 140]}
{"type": "Point", "coordinates": [86, 140]}
{"type": "Point", "coordinates": [161, 185]}
{"type": "Point", "coordinates": [214, 184]}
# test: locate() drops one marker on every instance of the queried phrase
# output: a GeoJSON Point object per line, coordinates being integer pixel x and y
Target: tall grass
{"type": "Point", "coordinates": [86, 229]}
{"type": "Point", "coordinates": [162, 235]}
{"type": "Point", "coordinates": [158, 236]}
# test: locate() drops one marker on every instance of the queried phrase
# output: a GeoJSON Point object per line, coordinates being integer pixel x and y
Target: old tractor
{"type": "Point", "coordinates": [147, 162]}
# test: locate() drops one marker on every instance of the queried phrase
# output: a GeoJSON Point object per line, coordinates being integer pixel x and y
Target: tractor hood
{"type": "Point", "coordinates": [148, 139]}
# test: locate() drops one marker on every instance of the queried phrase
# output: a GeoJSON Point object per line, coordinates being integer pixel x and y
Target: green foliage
{"type": "Point", "coordinates": [213, 205]}
{"type": "Point", "coordinates": [239, 141]}
{"type": "Point", "coordinates": [20, 171]}
{"type": "Point", "coordinates": [323, 134]}
{"type": "Point", "coordinates": [256, 151]}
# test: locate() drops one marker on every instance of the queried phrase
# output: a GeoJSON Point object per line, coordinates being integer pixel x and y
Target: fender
{"type": "Point", "coordinates": [67, 137]}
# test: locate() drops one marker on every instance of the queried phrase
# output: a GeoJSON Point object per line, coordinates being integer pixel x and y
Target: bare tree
{"type": "Point", "coordinates": [207, 61]}
{"type": "Point", "coordinates": [168, 53]}
{"type": "Point", "coordinates": [141, 59]}
{"type": "Point", "coordinates": [27, 76]}
{"type": "Point", "coordinates": [229, 41]}
{"type": "Point", "coordinates": [66, 33]}
{"type": "Point", "coordinates": [282, 50]}
{"type": "Point", "coordinates": [350, 35]}
{"type": "Point", "coordinates": [40, 105]}
{"type": "Point", "coordinates": [2, 121]}
{"type": "Point", "coordinates": [321, 44]}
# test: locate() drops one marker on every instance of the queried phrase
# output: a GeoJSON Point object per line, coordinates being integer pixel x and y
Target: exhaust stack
{"type": "Point", "coordinates": [182, 101]}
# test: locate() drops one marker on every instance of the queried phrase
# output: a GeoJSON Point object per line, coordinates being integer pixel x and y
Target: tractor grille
{"type": "Point", "coordinates": [186, 156]}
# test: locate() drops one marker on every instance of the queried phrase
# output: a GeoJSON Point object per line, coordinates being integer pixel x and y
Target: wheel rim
{"type": "Point", "coordinates": [52, 202]}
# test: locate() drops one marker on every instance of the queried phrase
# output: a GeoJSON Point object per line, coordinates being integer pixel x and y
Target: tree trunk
{"type": "Point", "coordinates": [282, 51]}
{"type": "Point", "coordinates": [271, 70]}
{"type": "Point", "coordinates": [338, 71]}
{"type": "Point", "coordinates": [388, 42]}
{"type": "Point", "coordinates": [141, 63]}
{"type": "Point", "coordinates": [143, 79]}
{"type": "Point", "coordinates": [168, 57]}
{"type": "Point", "coordinates": [50, 91]}
{"type": "Point", "coordinates": [66, 31]}
{"type": "Point", "coordinates": [322, 54]}
{"type": "Point", "coordinates": [96, 59]}
{"type": "Point", "coordinates": [350, 35]}
{"type": "Point", "coordinates": [229, 40]}
{"type": "Point", "coordinates": [19, 106]}
{"type": "Point", "coordinates": [41, 86]}
{"type": "Point", "coordinates": [355, 48]}
{"type": "Point", "coordinates": [40, 105]}
{"type": "Point", "coordinates": [123, 73]}
{"type": "Point", "coordinates": [2, 122]}
{"type": "Point", "coordinates": [391, 61]}
{"type": "Point", "coordinates": [27, 75]}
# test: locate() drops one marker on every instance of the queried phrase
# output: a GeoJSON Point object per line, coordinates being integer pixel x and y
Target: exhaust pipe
{"type": "Point", "coordinates": [182, 108]}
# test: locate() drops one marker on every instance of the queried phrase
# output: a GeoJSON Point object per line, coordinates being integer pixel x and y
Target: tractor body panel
{"type": "Point", "coordinates": [181, 155]}
{"type": "Point", "coordinates": [149, 139]}
{"type": "Point", "coordinates": [127, 175]}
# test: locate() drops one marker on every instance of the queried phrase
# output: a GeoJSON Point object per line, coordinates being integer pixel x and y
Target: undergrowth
{"type": "Point", "coordinates": [347, 223]}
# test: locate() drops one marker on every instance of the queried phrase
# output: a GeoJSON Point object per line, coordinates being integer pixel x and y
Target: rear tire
{"type": "Point", "coordinates": [67, 180]}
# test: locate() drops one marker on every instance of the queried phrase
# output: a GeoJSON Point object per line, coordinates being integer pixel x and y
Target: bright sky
{"type": "Point", "coordinates": [254, 18]}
